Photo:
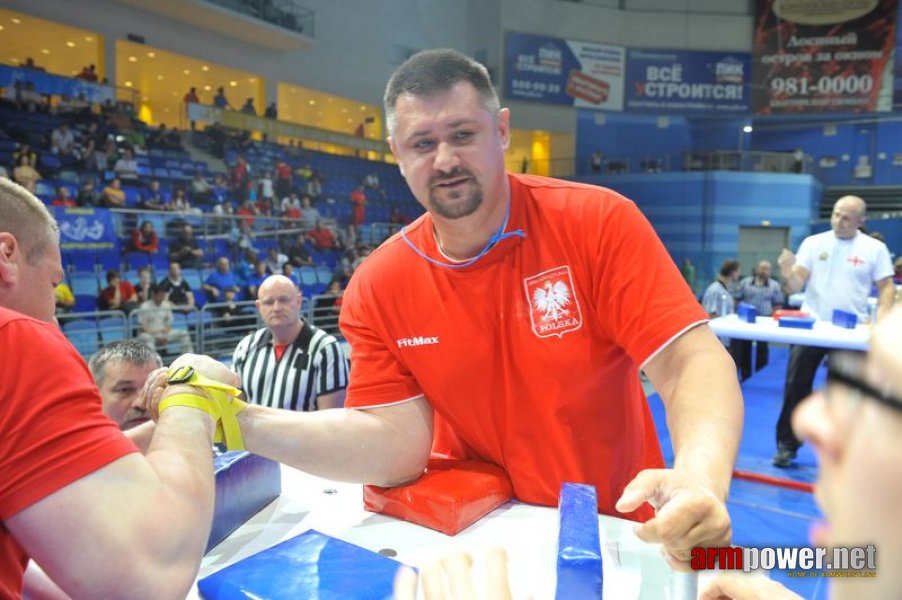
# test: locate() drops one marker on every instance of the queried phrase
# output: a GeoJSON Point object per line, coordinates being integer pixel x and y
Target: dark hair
{"type": "Point", "coordinates": [130, 351]}
{"type": "Point", "coordinates": [430, 72]}
{"type": "Point", "coordinates": [728, 266]}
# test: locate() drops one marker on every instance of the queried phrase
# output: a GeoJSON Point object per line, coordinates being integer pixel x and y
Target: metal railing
{"type": "Point", "coordinates": [215, 329]}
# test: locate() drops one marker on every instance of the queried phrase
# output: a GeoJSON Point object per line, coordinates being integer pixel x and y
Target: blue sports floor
{"type": "Point", "coordinates": [766, 515]}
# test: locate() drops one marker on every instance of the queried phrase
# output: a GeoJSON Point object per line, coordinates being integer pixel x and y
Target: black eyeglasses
{"type": "Point", "coordinates": [844, 368]}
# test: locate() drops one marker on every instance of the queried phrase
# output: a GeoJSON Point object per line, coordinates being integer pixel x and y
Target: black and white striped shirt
{"type": "Point", "coordinates": [313, 365]}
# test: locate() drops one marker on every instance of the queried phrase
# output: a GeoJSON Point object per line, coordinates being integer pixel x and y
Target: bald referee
{"type": "Point", "coordinates": [289, 363]}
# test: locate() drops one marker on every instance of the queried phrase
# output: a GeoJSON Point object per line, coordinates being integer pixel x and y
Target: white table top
{"type": "Point", "coordinates": [632, 568]}
{"type": "Point", "coordinates": [765, 329]}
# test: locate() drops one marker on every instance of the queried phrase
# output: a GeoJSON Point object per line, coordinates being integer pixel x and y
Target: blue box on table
{"type": "Point", "coordinates": [747, 312]}
{"type": "Point", "coordinates": [579, 568]}
{"type": "Point", "coordinates": [845, 319]}
{"type": "Point", "coordinates": [245, 483]}
{"type": "Point", "coordinates": [310, 565]}
{"type": "Point", "coordinates": [797, 322]}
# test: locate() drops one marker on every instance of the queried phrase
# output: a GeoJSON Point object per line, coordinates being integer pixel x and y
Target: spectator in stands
{"type": "Point", "coordinates": [231, 315]}
{"type": "Point", "coordinates": [595, 161]}
{"type": "Point", "coordinates": [271, 111]}
{"type": "Point", "coordinates": [25, 149]}
{"type": "Point", "coordinates": [185, 249]}
{"type": "Point", "coordinates": [220, 100]}
{"type": "Point", "coordinates": [308, 365]}
{"type": "Point", "coordinates": [256, 278]}
{"type": "Point", "coordinates": [288, 271]}
{"type": "Point", "coordinates": [314, 185]}
{"type": "Point", "coordinates": [119, 370]}
{"type": "Point", "coordinates": [309, 213]}
{"type": "Point", "coordinates": [64, 297]}
{"type": "Point", "coordinates": [153, 197]}
{"type": "Point", "coordinates": [104, 156]}
{"type": "Point", "coordinates": [155, 318]}
{"type": "Point", "coordinates": [77, 109]}
{"type": "Point", "coordinates": [191, 97]}
{"type": "Point", "coordinates": [358, 214]}
{"type": "Point", "coordinates": [241, 238]}
{"type": "Point", "coordinates": [180, 203]}
{"type": "Point", "coordinates": [291, 206]}
{"type": "Point", "coordinates": [31, 99]}
{"type": "Point", "coordinates": [275, 260]}
{"type": "Point", "coordinates": [75, 490]}
{"type": "Point", "coordinates": [371, 181]}
{"type": "Point", "coordinates": [25, 174]}
{"type": "Point", "coordinates": [297, 252]}
{"type": "Point", "coordinates": [220, 280]}
{"type": "Point", "coordinates": [239, 179]}
{"type": "Point", "coordinates": [118, 295]}
{"type": "Point", "coordinates": [113, 196]}
{"type": "Point", "coordinates": [145, 239]}
{"type": "Point", "coordinates": [63, 198]}
{"type": "Point", "coordinates": [323, 238]}
{"type": "Point", "coordinates": [127, 167]}
{"type": "Point", "coordinates": [177, 289]}
{"type": "Point", "coordinates": [327, 307]}
{"type": "Point", "coordinates": [266, 194]}
{"type": "Point", "coordinates": [201, 189]}
{"type": "Point", "coordinates": [248, 107]}
{"type": "Point", "coordinates": [397, 217]}
{"type": "Point", "coordinates": [144, 285]}
{"type": "Point", "coordinates": [220, 191]}
{"type": "Point", "coordinates": [62, 140]}
{"type": "Point", "coordinates": [87, 195]}
{"type": "Point", "coordinates": [12, 95]}
{"type": "Point", "coordinates": [765, 295]}
{"type": "Point", "coordinates": [88, 73]}
{"type": "Point", "coordinates": [284, 180]}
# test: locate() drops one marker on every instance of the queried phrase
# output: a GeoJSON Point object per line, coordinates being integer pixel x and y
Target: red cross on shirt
{"type": "Point", "coordinates": [855, 261]}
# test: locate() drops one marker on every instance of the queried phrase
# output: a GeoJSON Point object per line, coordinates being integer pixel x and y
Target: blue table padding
{"type": "Point", "coordinates": [579, 568]}
{"type": "Point", "coordinates": [797, 322]}
{"type": "Point", "coordinates": [845, 319]}
{"type": "Point", "coordinates": [310, 566]}
{"type": "Point", "coordinates": [747, 312]}
{"type": "Point", "coordinates": [245, 483]}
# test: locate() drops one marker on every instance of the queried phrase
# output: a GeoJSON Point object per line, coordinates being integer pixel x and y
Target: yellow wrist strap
{"type": "Point", "coordinates": [223, 406]}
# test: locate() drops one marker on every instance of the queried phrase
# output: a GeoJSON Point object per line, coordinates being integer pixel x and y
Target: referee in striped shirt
{"type": "Point", "coordinates": [289, 363]}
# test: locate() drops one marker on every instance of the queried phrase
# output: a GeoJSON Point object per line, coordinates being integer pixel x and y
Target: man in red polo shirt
{"type": "Point", "coordinates": [509, 323]}
{"type": "Point", "coordinates": [76, 495]}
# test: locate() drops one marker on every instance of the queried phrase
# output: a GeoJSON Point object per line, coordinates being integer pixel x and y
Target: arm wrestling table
{"type": "Point", "coordinates": [766, 329]}
{"type": "Point", "coordinates": [632, 568]}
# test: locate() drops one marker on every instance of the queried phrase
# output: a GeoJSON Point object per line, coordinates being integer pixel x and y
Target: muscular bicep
{"type": "Point", "coordinates": [410, 423]}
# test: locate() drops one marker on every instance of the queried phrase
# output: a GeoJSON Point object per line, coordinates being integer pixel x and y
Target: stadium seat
{"type": "Point", "coordinates": [82, 333]}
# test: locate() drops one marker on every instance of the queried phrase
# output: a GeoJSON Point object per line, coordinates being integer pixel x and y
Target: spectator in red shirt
{"type": "Point", "coordinates": [284, 179]}
{"type": "Point", "coordinates": [239, 179]}
{"type": "Point", "coordinates": [118, 295]}
{"type": "Point", "coordinates": [323, 238]}
{"type": "Point", "coordinates": [145, 239]}
{"type": "Point", "coordinates": [358, 216]}
{"type": "Point", "coordinates": [63, 198]}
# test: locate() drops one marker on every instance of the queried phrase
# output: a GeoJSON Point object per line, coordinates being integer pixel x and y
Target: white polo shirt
{"type": "Point", "coordinates": [842, 272]}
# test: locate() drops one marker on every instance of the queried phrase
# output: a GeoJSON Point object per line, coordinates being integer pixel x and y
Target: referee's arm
{"type": "Point", "coordinates": [332, 376]}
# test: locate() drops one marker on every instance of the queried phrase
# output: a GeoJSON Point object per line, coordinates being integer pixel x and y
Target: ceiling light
{"type": "Point", "coordinates": [128, 84]}
{"type": "Point", "coordinates": [159, 77]}
{"type": "Point", "coordinates": [144, 98]}
{"type": "Point", "coordinates": [253, 80]}
{"type": "Point", "coordinates": [362, 108]}
{"type": "Point", "coordinates": [350, 120]}
{"type": "Point", "coordinates": [70, 44]}
{"type": "Point", "coordinates": [14, 60]}
{"type": "Point", "coordinates": [16, 21]}
{"type": "Point", "coordinates": [207, 88]}
{"type": "Point", "coordinates": [344, 110]}
{"type": "Point", "coordinates": [89, 38]}
{"type": "Point", "coordinates": [45, 51]}
{"type": "Point", "coordinates": [186, 72]}
{"type": "Point", "coordinates": [233, 83]}
{"type": "Point", "coordinates": [1, 27]}
{"type": "Point", "coordinates": [312, 103]}
{"type": "Point", "coordinates": [205, 68]}
{"type": "Point", "coordinates": [151, 54]}
{"type": "Point", "coordinates": [132, 59]}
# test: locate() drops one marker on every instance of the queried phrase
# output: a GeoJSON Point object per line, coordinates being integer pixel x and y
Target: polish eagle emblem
{"type": "Point", "coordinates": [551, 300]}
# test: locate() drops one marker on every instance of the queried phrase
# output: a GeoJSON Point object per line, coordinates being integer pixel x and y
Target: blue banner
{"type": "Point", "coordinates": [85, 228]}
{"type": "Point", "coordinates": [681, 81]}
{"type": "Point", "coordinates": [57, 85]}
{"type": "Point", "coordinates": [545, 69]}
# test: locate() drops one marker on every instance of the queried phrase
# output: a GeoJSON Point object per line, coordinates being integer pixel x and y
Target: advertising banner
{"type": "Point", "coordinates": [679, 81]}
{"type": "Point", "coordinates": [88, 229]}
{"type": "Point", "coordinates": [546, 69]}
{"type": "Point", "coordinates": [823, 56]}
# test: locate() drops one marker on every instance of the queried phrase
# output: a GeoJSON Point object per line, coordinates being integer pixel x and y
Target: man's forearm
{"type": "Point", "coordinates": [344, 444]}
{"type": "Point", "coordinates": [886, 297]}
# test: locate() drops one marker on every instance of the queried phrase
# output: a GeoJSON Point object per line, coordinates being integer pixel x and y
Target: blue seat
{"type": "Point", "coordinates": [84, 282]}
{"type": "Point", "coordinates": [111, 329]}
{"type": "Point", "coordinates": [308, 276]}
{"type": "Point", "coordinates": [82, 333]}
{"type": "Point", "coordinates": [323, 275]}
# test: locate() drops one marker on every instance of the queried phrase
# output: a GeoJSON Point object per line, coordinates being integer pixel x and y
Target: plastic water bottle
{"type": "Point", "coordinates": [726, 305]}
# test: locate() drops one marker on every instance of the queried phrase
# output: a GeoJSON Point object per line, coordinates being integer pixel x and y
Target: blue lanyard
{"type": "Point", "coordinates": [497, 237]}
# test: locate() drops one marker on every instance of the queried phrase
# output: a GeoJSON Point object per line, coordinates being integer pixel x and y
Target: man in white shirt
{"type": "Point", "coordinates": [839, 267]}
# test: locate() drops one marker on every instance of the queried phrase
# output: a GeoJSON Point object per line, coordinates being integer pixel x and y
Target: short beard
{"type": "Point", "coordinates": [456, 209]}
